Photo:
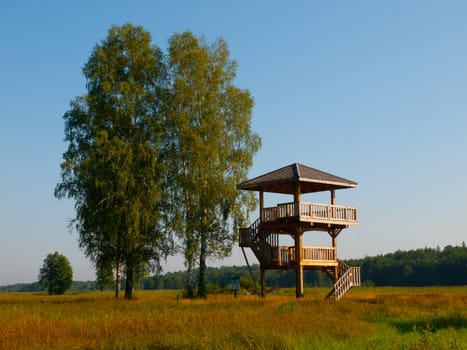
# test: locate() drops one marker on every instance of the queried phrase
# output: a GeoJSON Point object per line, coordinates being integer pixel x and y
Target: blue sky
{"type": "Point", "coordinates": [371, 91]}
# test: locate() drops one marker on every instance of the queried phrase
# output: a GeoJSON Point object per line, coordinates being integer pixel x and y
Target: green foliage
{"type": "Point", "coordinates": [222, 276]}
{"type": "Point", "coordinates": [104, 276]}
{"type": "Point", "coordinates": [55, 275]}
{"type": "Point", "coordinates": [385, 270]}
{"type": "Point", "coordinates": [157, 146]}
{"type": "Point", "coordinates": [84, 286]}
{"type": "Point", "coordinates": [210, 147]}
{"type": "Point", "coordinates": [111, 166]}
{"type": "Point", "coordinates": [420, 267]}
{"type": "Point", "coordinates": [21, 287]}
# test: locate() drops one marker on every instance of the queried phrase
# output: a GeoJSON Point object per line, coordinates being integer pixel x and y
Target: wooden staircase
{"type": "Point", "coordinates": [262, 243]}
{"type": "Point", "coordinates": [265, 246]}
{"type": "Point", "coordinates": [349, 277]}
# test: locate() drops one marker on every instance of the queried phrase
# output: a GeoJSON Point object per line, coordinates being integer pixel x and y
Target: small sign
{"type": "Point", "coordinates": [235, 281]}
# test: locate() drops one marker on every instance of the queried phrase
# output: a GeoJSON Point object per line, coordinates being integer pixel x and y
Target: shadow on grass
{"type": "Point", "coordinates": [431, 324]}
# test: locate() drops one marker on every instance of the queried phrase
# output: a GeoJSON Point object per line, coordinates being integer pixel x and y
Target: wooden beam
{"type": "Point", "coordinates": [299, 281]}
{"type": "Point", "coordinates": [297, 192]}
{"type": "Point", "coordinates": [261, 206]}
{"type": "Point", "coordinates": [334, 245]}
{"type": "Point", "coordinates": [333, 197]}
{"type": "Point", "coordinates": [299, 266]}
{"type": "Point", "coordinates": [333, 202]}
{"type": "Point", "coordinates": [263, 282]}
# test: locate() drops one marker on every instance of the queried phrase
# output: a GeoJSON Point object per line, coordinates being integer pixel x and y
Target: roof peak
{"type": "Point", "coordinates": [297, 168]}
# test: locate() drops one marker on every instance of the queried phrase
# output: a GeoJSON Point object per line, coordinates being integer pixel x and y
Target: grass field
{"type": "Point", "coordinates": [367, 318]}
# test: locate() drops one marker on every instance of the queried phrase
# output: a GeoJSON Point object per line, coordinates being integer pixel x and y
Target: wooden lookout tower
{"type": "Point", "coordinates": [294, 219]}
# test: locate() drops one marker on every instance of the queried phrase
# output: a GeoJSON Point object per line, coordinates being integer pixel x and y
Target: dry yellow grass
{"type": "Point", "coordinates": [387, 318]}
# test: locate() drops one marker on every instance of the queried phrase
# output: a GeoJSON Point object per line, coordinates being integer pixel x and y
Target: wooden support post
{"type": "Point", "coordinates": [296, 199]}
{"type": "Point", "coordinates": [299, 281]}
{"type": "Point", "coordinates": [299, 267]}
{"type": "Point", "coordinates": [261, 206]}
{"type": "Point", "coordinates": [263, 282]}
{"type": "Point", "coordinates": [334, 245]}
{"type": "Point", "coordinates": [297, 193]}
{"type": "Point", "coordinates": [333, 202]}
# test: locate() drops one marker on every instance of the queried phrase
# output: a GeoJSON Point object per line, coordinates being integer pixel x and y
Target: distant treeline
{"type": "Point", "coordinates": [220, 278]}
{"type": "Point", "coordinates": [76, 286]}
{"type": "Point", "coordinates": [420, 267]}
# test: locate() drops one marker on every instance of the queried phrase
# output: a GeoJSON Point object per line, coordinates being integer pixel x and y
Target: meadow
{"type": "Point", "coordinates": [366, 318]}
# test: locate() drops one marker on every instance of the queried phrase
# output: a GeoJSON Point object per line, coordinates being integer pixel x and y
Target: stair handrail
{"type": "Point", "coordinates": [247, 234]}
{"type": "Point", "coordinates": [261, 242]}
{"type": "Point", "coordinates": [343, 267]}
{"type": "Point", "coordinates": [350, 278]}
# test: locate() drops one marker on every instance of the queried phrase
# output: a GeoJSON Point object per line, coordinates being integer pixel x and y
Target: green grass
{"type": "Point", "coordinates": [367, 318]}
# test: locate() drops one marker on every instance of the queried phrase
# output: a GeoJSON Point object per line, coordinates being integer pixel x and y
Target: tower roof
{"type": "Point", "coordinates": [284, 180]}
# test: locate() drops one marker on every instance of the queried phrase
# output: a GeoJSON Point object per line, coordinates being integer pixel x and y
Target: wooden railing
{"type": "Point", "coordinates": [247, 235]}
{"type": "Point", "coordinates": [285, 256]}
{"type": "Point", "coordinates": [310, 211]}
{"type": "Point", "coordinates": [264, 245]}
{"type": "Point", "coordinates": [351, 278]}
{"type": "Point", "coordinates": [319, 254]}
{"type": "Point", "coordinates": [269, 214]}
{"type": "Point", "coordinates": [268, 251]}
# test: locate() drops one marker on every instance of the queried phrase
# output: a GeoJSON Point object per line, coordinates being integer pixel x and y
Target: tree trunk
{"type": "Point", "coordinates": [190, 289]}
{"type": "Point", "coordinates": [129, 283]}
{"type": "Point", "coordinates": [189, 258]}
{"type": "Point", "coordinates": [118, 280]}
{"type": "Point", "coordinates": [202, 269]}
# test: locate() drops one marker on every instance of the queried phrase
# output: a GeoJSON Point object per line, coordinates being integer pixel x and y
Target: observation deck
{"type": "Point", "coordinates": [294, 219]}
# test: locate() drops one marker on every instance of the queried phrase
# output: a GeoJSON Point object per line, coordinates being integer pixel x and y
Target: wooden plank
{"type": "Point", "coordinates": [319, 263]}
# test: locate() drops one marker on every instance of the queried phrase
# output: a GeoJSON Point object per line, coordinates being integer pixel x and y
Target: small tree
{"type": "Point", "coordinates": [56, 274]}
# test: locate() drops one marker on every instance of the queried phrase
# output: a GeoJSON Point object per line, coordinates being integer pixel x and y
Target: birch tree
{"type": "Point", "coordinates": [111, 166]}
{"type": "Point", "coordinates": [209, 147]}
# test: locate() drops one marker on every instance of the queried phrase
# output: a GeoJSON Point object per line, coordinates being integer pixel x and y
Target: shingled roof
{"type": "Point", "coordinates": [284, 180]}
